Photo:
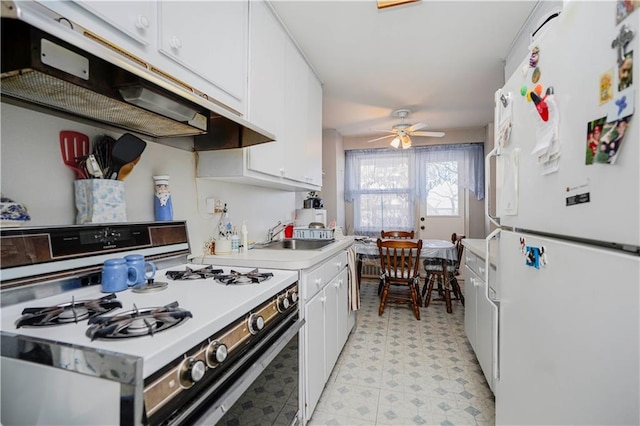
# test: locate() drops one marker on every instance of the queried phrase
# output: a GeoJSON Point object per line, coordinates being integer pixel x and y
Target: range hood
{"type": "Point", "coordinates": [47, 72]}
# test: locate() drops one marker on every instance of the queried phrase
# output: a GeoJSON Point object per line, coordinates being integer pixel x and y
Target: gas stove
{"type": "Point", "coordinates": [164, 347]}
{"type": "Point", "coordinates": [212, 307]}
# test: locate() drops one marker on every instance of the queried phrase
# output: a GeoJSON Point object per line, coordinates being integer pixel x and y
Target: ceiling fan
{"type": "Point", "coordinates": [403, 131]}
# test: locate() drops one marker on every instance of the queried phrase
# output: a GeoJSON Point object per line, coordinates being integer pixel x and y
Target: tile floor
{"type": "Point", "coordinates": [395, 370]}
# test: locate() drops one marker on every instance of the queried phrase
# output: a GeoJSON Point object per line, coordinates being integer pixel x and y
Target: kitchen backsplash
{"type": "Point", "coordinates": [33, 173]}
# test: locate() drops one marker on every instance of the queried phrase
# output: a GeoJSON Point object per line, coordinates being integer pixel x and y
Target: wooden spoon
{"type": "Point", "coordinates": [127, 169]}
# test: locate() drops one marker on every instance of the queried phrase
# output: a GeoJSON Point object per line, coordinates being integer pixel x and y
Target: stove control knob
{"type": "Point", "coordinates": [283, 303]}
{"type": "Point", "coordinates": [255, 323]}
{"type": "Point", "coordinates": [191, 372]}
{"type": "Point", "coordinates": [294, 296]}
{"type": "Point", "coordinates": [216, 353]}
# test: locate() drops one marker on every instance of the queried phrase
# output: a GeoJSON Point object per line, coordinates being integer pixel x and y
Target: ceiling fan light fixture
{"type": "Point", "coordinates": [395, 142]}
{"type": "Point", "coordinates": [406, 141]}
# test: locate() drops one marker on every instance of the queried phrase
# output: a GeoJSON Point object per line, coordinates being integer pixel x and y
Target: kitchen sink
{"type": "Point", "coordinates": [295, 245]}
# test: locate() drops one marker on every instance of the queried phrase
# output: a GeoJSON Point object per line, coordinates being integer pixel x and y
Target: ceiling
{"type": "Point", "coordinates": [443, 60]}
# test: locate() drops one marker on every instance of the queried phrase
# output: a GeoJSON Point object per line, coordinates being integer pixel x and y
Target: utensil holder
{"type": "Point", "coordinates": [100, 201]}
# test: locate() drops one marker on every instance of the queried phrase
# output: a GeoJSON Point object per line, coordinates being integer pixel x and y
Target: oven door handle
{"type": "Point", "coordinates": [235, 391]}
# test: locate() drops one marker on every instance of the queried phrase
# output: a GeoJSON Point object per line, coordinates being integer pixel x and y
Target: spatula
{"type": "Point", "coordinates": [73, 146]}
{"type": "Point", "coordinates": [127, 169]}
{"type": "Point", "coordinates": [126, 149]}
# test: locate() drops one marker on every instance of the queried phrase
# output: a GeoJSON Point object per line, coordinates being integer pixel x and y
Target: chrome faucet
{"type": "Point", "coordinates": [273, 232]}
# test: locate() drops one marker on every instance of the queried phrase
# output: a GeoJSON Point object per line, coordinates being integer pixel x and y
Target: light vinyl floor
{"type": "Point", "coordinates": [396, 370]}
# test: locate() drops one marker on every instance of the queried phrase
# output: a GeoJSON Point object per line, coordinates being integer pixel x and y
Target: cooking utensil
{"type": "Point", "coordinates": [102, 151]}
{"type": "Point", "coordinates": [74, 146]}
{"type": "Point", "coordinates": [126, 149]}
{"type": "Point", "coordinates": [93, 168]}
{"type": "Point", "coordinates": [127, 169]}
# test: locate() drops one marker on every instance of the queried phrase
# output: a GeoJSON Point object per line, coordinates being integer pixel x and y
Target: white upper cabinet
{"type": "Point", "coordinates": [137, 20]}
{"type": "Point", "coordinates": [209, 39]}
{"type": "Point", "coordinates": [267, 41]}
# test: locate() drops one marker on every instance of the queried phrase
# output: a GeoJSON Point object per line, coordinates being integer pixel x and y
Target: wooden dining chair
{"type": "Point", "coordinates": [397, 235]}
{"type": "Point", "coordinates": [448, 284]}
{"type": "Point", "coordinates": [399, 262]}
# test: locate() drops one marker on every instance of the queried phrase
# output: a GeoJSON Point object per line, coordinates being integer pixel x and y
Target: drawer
{"type": "Point", "coordinates": [475, 263]}
{"type": "Point", "coordinates": [317, 278]}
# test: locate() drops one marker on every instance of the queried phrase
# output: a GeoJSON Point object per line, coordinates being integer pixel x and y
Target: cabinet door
{"type": "Point", "coordinates": [343, 315]}
{"type": "Point", "coordinates": [484, 333]}
{"type": "Point", "coordinates": [267, 42]}
{"type": "Point", "coordinates": [136, 19]}
{"type": "Point", "coordinates": [313, 152]}
{"type": "Point", "coordinates": [208, 39]}
{"type": "Point", "coordinates": [315, 358]}
{"type": "Point", "coordinates": [331, 325]}
{"type": "Point", "coordinates": [471, 284]}
{"type": "Point", "coordinates": [296, 109]}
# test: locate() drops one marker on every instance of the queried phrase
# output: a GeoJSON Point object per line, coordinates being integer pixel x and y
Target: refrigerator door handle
{"type": "Point", "coordinates": [496, 324]}
{"type": "Point", "coordinates": [495, 152]}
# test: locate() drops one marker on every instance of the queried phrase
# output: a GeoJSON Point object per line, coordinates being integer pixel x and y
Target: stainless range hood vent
{"type": "Point", "coordinates": [44, 90]}
{"type": "Point", "coordinates": [42, 70]}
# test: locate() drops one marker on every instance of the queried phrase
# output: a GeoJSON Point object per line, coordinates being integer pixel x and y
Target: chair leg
{"type": "Point", "coordinates": [447, 298]}
{"type": "Point", "coordinates": [383, 299]}
{"type": "Point", "coordinates": [456, 290]}
{"type": "Point", "coordinates": [414, 301]}
{"type": "Point", "coordinates": [380, 285]}
{"type": "Point", "coordinates": [427, 298]}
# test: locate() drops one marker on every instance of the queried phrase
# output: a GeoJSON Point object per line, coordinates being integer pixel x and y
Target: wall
{"type": "Point", "coordinates": [32, 172]}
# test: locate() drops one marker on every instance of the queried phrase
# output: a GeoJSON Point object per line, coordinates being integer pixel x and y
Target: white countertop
{"type": "Point", "coordinates": [479, 248]}
{"type": "Point", "coordinates": [277, 258]}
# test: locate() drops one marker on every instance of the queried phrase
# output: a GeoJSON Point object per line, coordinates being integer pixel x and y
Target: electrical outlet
{"type": "Point", "coordinates": [211, 205]}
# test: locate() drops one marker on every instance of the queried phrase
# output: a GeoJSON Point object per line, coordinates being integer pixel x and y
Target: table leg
{"type": "Point", "coordinates": [445, 284]}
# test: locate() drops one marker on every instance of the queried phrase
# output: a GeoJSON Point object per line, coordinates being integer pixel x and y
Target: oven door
{"type": "Point", "coordinates": [263, 385]}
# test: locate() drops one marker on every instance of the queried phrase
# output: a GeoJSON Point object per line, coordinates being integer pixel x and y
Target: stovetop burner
{"type": "Point", "coordinates": [65, 313]}
{"type": "Point", "coordinates": [250, 277]}
{"type": "Point", "coordinates": [137, 322]}
{"type": "Point", "coordinates": [194, 274]}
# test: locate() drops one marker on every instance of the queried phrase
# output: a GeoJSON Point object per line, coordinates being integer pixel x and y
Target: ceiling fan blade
{"type": "Point", "coordinates": [430, 134]}
{"type": "Point", "coordinates": [416, 126]}
{"type": "Point", "coordinates": [379, 139]}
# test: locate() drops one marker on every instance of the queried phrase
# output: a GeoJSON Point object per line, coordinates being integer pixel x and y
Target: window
{"type": "Point", "coordinates": [381, 184]}
{"type": "Point", "coordinates": [442, 188]}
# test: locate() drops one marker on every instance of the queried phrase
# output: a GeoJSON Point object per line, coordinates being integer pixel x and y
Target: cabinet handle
{"type": "Point", "coordinates": [481, 269]}
{"type": "Point", "coordinates": [323, 299]}
{"type": "Point", "coordinates": [282, 172]}
{"type": "Point", "coordinates": [318, 281]}
{"type": "Point", "coordinates": [339, 265]}
{"type": "Point", "coordinates": [175, 42]}
{"type": "Point", "coordinates": [142, 23]}
{"type": "Point", "coordinates": [338, 283]}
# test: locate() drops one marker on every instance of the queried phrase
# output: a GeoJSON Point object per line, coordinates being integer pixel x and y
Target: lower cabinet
{"type": "Point", "coordinates": [478, 316]}
{"type": "Point", "coordinates": [327, 327]}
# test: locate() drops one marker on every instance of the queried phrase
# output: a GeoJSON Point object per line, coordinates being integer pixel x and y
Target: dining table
{"type": "Point", "coordinates": [437, 253]}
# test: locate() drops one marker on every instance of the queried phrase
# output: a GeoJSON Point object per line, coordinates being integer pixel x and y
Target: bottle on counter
{"type": "Point", "coordinates": [245, 237]}
{"type": "Point", "coordinates": [235, 242]}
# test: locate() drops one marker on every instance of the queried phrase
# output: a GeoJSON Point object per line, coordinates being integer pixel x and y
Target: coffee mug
{"type": "Point", "coordinates": [137, 261]}
{"type": "Point", "coordinates": [117, 275]}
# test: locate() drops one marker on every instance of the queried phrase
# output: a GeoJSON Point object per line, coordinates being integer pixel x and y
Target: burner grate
{"type": "Point", "coordinates": [194, 274]}
{"type": "Point", "coordinates": [137, 322]}
{"type": "Point", "coordinates": [251, 277]}
{"type": "Point", "coordinates": [66, 313]}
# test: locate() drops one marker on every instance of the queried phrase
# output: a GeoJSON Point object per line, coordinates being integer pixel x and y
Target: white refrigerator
{"type": "Point", "coordinates": [566, 332]}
